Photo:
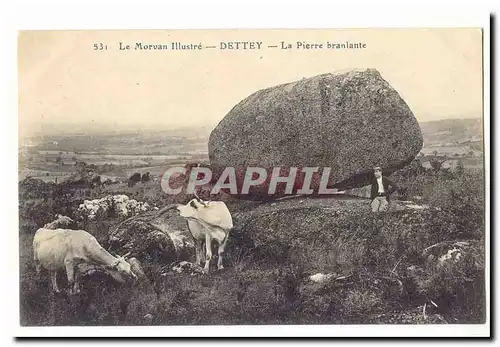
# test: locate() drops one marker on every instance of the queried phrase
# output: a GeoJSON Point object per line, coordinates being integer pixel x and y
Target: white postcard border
{"type": "Point", "coordinates": [125, 17]}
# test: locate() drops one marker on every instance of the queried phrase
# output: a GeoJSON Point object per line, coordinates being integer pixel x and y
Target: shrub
{"type": "Point", "coordinates": [455, 284]}
{"type": "Point", "coordinates": [135, 178]}
{"type": "Point", "coordinates": [145, 177]}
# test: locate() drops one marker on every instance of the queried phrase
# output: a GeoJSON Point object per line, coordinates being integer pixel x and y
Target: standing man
{"type": "Point", "coordinates": [382, 187]}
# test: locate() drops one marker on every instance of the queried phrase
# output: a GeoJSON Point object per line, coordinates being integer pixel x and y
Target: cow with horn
{"type": "Point", "coordinates": [55, 249]}
{"type": "Point", "coordinates": [207, 221]}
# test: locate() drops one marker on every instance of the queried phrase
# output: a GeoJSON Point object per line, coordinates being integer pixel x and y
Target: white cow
{"type": "Point", "coordinates": [207, 221]}
{"type": "Point", "coordinates": [56, 249]}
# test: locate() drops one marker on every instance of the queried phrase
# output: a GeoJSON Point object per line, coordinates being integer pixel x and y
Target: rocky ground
{"type": "Point", "coordinates": [293, 261]}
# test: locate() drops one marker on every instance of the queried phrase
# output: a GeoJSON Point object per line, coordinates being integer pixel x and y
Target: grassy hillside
{"type": "Point", "coordinates": [405, 266]}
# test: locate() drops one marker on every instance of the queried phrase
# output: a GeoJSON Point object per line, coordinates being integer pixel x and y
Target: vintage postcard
{"type": "Point", "coordinates": [318, 177]}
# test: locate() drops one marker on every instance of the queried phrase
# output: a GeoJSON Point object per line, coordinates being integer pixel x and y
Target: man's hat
{"type": "Point", "coordinates": [377, 168]}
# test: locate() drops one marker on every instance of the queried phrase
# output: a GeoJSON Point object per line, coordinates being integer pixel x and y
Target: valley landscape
{"type": "Point", "coordinates": [396, 233]}
{"type": "Point", "coordinates": [118, 155]}
{"type": "Point", "coordinates": [341, 266]}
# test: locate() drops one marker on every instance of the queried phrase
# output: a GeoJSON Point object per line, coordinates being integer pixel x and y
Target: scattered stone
{"type": "Point", "coordinates": [417, 207]}
{"type": "Point", "coordinates": [188, 268]}
{"type": "Point", "coordinates": [321, 278]}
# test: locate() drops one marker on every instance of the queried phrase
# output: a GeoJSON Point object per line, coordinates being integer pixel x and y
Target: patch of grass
{"type": "Point", "coordinates": [272, 251]}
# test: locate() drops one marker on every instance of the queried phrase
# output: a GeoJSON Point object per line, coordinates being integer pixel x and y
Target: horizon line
{"type": "Point", "coordinates": [157, 127]}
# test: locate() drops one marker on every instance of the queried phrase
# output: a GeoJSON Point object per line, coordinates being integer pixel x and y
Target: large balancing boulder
{"type": "Point", "coordinates": [348, 122]}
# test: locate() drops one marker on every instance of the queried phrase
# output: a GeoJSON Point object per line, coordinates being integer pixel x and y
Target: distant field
{"type": "Point", "coordinates": [155, 149]}
{"type": "Point", "coordinates": [52, 157]}
{"type": "Point", "coordinates": [473, 162]}
{"type": "Point", "coordinates": [46, 176]}
{"type": "Point", "coordinates": [43, 164]}
{"type": "Point", "coordinates": [463, 150]}
{"type": "Point", "coordinates": [116, 159]}
{"type": "Point", "coordinates": [446, 150]}
{"type": "Point", "coordinates": [153, 170]}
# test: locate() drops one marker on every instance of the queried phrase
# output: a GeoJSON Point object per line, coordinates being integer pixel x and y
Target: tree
{"type": "Point", "coordinates": [437, 163]}
{"type": "Point", "coordinates": [460, 168]}
{"type": "Point", "coordinates": [96, 181]}
{"type": "Point", "coordinates": [445, 174]}
{"type": "Point", "coordinates": [416, 167]}
{"type": "Point", "coordinates": [59, 161]}
{"type": "Point", "coordinates": [84, 172]}
{"type": "Point", "coordinates": [146, 177]}
{"type": "Point", "coordinates": [134, 179]}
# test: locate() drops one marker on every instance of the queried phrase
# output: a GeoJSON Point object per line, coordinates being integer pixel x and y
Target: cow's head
{"type": "Point", "coordinates": [214, 213]}
{"type": "Point", "coordinates": [123, 269]}
{"type": "Point", "coordinates": [189, 210]}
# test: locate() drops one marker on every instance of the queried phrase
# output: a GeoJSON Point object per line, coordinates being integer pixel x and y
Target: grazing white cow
{"type": "Point", "coordinates": [55, 249]}
{"type": "Point", "coordinates": [207, 221]}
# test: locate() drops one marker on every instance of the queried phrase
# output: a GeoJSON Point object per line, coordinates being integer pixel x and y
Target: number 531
{"type": "Point", "coordinates": [100, 46]}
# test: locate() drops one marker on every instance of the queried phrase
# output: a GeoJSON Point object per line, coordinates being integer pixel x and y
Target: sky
{"type": "Point", "coordinates": [64, 81]}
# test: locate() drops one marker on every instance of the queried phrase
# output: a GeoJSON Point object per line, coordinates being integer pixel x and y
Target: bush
{"type": "Point", "coordinates": [145, 177]}
{"type": "Point", "coordinates": [134, 179]}
{"type": "Point", "coordinates": [454, 282]}
{"type": "Point", "coordinates": [465, 191]}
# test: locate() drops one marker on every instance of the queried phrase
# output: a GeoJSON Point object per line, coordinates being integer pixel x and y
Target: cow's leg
{"type": "Point", "coordinates": [202, 252]}
{"type": "Point", "coordinates": [38, 267]}
{"type": "Point", "coordinates": [53, 277]}
{"type": "Point", "coordinates": [222, 247]}
{"type": "Point", "coordinates": [76, 287]}
{"type": "Point", "coordinates": [208, 245]}
{"type": "Point", "coordinates": [70, 272]}
{"type": "Point", "coordinates": [198, 249]}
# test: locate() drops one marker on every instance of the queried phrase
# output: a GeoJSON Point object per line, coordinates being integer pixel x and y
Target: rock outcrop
{"type": "Point", "coordinates": [348, 122]}
{"type": "Point", "coordinates": [152, 238]}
